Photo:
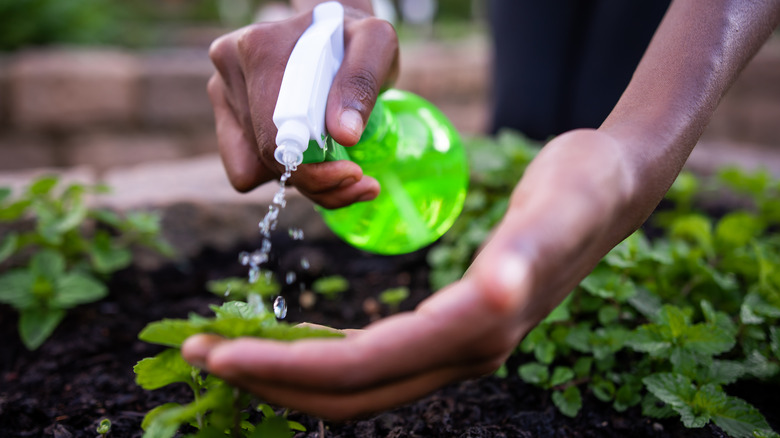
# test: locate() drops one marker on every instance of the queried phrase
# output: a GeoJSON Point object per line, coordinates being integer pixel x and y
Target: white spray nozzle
{"type": "Point", "coordinates": [300, 109]}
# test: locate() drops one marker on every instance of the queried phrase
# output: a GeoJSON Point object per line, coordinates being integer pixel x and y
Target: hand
{"type": "Point", "coordinates": [250, 64]}
{"type": "Point", "coordinates": [564, 216]}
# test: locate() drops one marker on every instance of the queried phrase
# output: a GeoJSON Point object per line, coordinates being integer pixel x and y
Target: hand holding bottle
{"type": "Point", "coordinates": [250, 63]}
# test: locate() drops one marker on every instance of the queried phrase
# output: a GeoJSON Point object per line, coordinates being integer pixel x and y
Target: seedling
{"type": "Point", "coordinates": [663, 323]}
{"type": "Point", "coordinates": [71, 248]}
{"type": "Point", "coordinates": [330, 287]}
{"type": "Point", "coordinates": [217, 408]}
{"type": "Point", "coordinates": [238, 288]}
{"type": "Point", "coordinates": [104, 427]}
{"type": "Point", "coordinates": [393, 298]}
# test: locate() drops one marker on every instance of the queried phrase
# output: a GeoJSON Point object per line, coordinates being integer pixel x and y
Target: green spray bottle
{"type": "Point", "coordinates": [408, 145]}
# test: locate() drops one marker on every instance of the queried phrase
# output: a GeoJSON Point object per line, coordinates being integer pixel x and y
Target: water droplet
{"type": "Point", "coordinates": [280, 307]}
{"type": "Point", "coordinates": [255, 303]}
{"type": "Point", "coordinates": [266, 246]}
{"type": "Point", "coordinates": [254, 273]}
{"type": "Point", "coordinates": [305, 263]}
{"type": "Point", "coordinates": [243, 258]}
{"type": "Point", "coordinates": [295, 233]}
{"type": "Point", "coordinates": [290, 279]}
{"type": "Point", "coordinates": [279, 199]}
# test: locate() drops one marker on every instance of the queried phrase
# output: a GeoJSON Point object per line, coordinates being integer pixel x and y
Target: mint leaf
{"type": "Point", "coordinates": [164, 369]}
{"type": "Point", "coordinates": [16, 288]}
{"type": "Point", "coordinates": [678, 392]}
{"type": "Point", "coordinates": [168, 332]}
{"type": "Point", "coordinates": [8, 245]}
{"type": "Point", "coordinates": [534, 373]}
{"type": "Point", "coordinates": [738, 229]}
{"type": "Point", "coordinates": [48, 264]}
{"type": "Point", "coordinates": [106, 255]}
{"type": "Point", "coordinates": [77, 288]}
{"type": "Point", "coordinates": [774, 336]}
{"type": "Point", "coordinates": [569, 401]}
{"type": "Point", "coordinates": [272, 427]}
{"type": "Point", "coordinates": [37, 324]}
{"type": "Point", "coordinates": [42, 186]}
{"type": "Point", "coordinates": [696, 229]}
{"type": "Point", "coordinates": [561, 375]}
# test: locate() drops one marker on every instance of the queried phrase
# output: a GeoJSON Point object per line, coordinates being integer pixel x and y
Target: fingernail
{"type": "Point", "coordinates": [352, 121]}
{"type": "Point", "coordinates": [366, 197]}
{"type": "Point", "coordinates": [196, 348]}
{"type": "Point", "coordinates": [348, 181]}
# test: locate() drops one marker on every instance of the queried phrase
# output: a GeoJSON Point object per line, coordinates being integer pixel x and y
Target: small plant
{"type": "Point", "coordinates": [217, 408]}
{"type": "Point", "coordinates": [661, 324]}
{"type": "Point", "coordinates": [237, 288]}
{"type": "Point", "coordinates": [104, 427]}
{"type": "Point", "coordinates": [330, 287]}
{"type": "Point", "coordinates": [393, 298]}
{"type": "Point", "coordinates": [70, 249]}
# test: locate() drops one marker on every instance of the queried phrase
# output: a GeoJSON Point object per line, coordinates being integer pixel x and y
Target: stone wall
{"type": "Point", "coordinates": [107, 108]}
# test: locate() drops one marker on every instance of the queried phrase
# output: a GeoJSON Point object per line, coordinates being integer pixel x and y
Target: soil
{"type": "Point", "coordinates": [83, 373]}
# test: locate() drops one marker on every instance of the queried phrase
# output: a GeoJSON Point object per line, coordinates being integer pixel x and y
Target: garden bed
{"type": "Point", "coordinates": [84, 372]}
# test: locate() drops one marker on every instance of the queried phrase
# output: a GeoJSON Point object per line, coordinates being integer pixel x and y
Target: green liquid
{"type": "Point", "coordinates": [417, 156]}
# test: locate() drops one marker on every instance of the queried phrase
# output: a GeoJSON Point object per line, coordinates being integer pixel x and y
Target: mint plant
{"type": "Point", "coordinates": [393, 297]}
{"type": "Point", "coordinates": [663, 324]}
{"type": "Point", "coordinates": [217, 408]}
{"type": "Point", "coordinates": [330, 287]}
{"type": "Point", "coordinates": [60, 250]}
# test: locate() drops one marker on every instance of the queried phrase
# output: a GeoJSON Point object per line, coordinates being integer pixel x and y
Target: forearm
{"type": "Point", "coordinates": [696, 53]}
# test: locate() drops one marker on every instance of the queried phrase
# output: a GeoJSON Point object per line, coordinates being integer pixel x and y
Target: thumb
{"type": "Point", "coordinates": [370, 63]}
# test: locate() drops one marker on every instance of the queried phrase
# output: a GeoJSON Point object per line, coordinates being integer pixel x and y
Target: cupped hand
{"type": "Point", "coordinates": [565, 214]}
{"type": "Point", "coordinates": [250, 64]}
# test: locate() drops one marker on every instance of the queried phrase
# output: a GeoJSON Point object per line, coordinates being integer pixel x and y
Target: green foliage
{"type": "Point", "coordinates": [664, 323]}
{"type": "Point", "coordinates": [238, 288]}
{"type": "Point", "coordinates": [65, 252]}
{"type": "Point", "coordinates": [104, 427]}
{"type": "Point", "coordinates": [217, 408]}
{"type": "Point", "coordinates": [394, 297]}
{"type": "Point", "coordinates": [330, 287]}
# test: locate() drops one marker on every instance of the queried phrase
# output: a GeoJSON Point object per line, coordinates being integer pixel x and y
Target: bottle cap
{"type": "Point", "coordinates": [299, 114]}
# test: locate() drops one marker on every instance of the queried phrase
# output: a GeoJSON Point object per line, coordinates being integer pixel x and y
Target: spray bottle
{"type": "Point", "coordinates": [408, 145]}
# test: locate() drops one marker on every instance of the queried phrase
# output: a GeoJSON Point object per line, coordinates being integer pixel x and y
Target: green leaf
{"type": "Point", "coordinates": [164, 369]}
{"type": "Point", "coordinates": [106, 255]}
{"type": "Point", "coordinates": [48, 264]}
{"type": "Point", "coordinates": [43, 185]}
{"type": "Point", "coordinates": [169, 332]}
{"type": "Point", "coordinates": [545, 352]}
{"type": "Point", "coordinates": [239, 288]}
{"type": "Point", "coordinates": [608, 315]}
{"type": "Point", "coordinates": [534, 373]}
{"type": "Point", "coordinates": [8, 245]}
{"type": "Point", "coordinates": [605, 283]}
{"type": "Point", "coordinates": [394, 296]}
{"type": "Point", "coordinates": [5, 193]}
{"type": "Point", "coordinates": [604, 390]}
{"type": "Point", "coordinates": [155, 412]}
{"type": "Point", "coordinates": [37, 324]}
{"type": "Point", "coordinates": [72, 219]}
{"type": "Point", "coordinates": [569, 401]}
{"type": "Point", "coordinates": [696, 229]}
{"type": "Point", "coordinates": [774, 336]}
{"type": "Point", "coordinates": [15, 210]}
{"type": "Point", "coordinates": [561, 375]}
{"type": "Point", "coordinates": [646, 303]}
{"type": "Point", "coordinates": [272, 427]}
{"type": "Point", "coordinates": [560, 312]}
{"type": "Point", "coordinates": [678, 392]}
{"type": "Point", "coordinates": [626, 396]}
{"type": "Point", "coordinates": [737, 229]}
{"type": "Point", "coordinates": [167, 421]}
{"type": "Point", "coordinates": [331, 286]}
{"type": "Point", "coordinates": [653, 407]}
{"type": "Point", "coordinates": [16, 288]}
{"type": "Point", "coordinates": [77, 288]}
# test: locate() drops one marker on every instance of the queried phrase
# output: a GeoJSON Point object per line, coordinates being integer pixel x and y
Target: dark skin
{"type": "Point", "coordinates": [586, 191]}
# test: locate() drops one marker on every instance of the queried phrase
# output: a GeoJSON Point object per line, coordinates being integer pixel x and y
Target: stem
{"type": "Point", "coordinates": [236, 412]}
{"type": "Point", "coordinates": [194, 384]}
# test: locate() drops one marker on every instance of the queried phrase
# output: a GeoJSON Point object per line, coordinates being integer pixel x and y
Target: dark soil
{"type": "Point", "coordinates": [84, 372]}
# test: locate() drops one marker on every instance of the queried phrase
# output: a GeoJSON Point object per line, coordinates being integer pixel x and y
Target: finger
{"type": "Point", "coordinates": [342, 406]}
{"type": "Point", "coordinates": [459, 328]}
{"type": "Point", "coordinates": [263, 52]}
{"type": "Point", "coordinates": [370, 62]}
{"type": "Point", "coordinates": [238, 153]}
{"type": "Point", "coordinates": [335, 184]}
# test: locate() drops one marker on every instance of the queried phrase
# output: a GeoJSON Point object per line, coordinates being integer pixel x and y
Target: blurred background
{"type": "Point", "coordinates": [113, 90]}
